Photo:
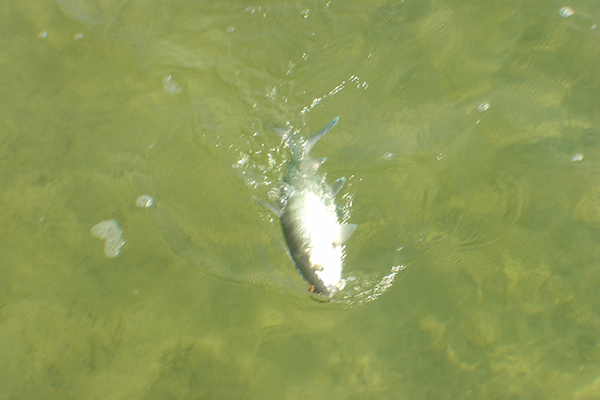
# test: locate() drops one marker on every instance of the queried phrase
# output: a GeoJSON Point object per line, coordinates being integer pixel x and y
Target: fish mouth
{"type": "Point", "coordinates": [321, 297]}
{"type": "Point", "coordinates": [328, 292]}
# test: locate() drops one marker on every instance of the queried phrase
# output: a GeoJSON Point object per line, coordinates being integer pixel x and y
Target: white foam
{"type": "Point", "coordinates": [110, 231]}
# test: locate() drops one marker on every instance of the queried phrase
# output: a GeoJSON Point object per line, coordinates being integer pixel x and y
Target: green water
{"type": "Point", "coordinates": [469, 136]}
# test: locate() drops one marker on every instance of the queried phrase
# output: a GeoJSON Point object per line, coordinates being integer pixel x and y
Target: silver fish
{"type": "Point", "coordinates": [309, 218]}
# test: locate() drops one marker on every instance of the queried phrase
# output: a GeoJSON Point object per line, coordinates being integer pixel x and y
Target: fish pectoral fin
{"type": "Point", "coordinates": [345, 232]}
{"type": "Point", "coordinates": [337, 186]}
{"type": "Point", "coordinates": [274, 209]}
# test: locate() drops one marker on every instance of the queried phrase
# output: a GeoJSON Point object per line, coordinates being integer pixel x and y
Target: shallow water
{"type": "Point", "coordinates": [469, 136]}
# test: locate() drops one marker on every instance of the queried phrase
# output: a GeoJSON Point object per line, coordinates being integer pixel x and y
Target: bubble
{"type": "Point", "coordinates": [43, 35]}
{"type": "Point", "coordinates": [79, 36]}
{"type": "Point", "coordinates": [85, 11]}
{"type": "Point", "coordinates": [566, 12]}
{"type": "Point", "coordinates": [483, 107]}
{"type": "Point", "coordinates": [170, 86]}
{"type": "Point", "coordinates": [110, 231]}
{"type": "Point", "coordinates": [144, 201]}
{"type": "Point", "coordinates": [577, 157]}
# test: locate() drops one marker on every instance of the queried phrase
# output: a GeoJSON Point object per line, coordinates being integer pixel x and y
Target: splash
{"type": "Point", "coordinates": [366, 290]}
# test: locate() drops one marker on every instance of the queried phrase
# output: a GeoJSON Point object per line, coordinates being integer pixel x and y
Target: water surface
{"type": "Point", "coordinates": [469, 136]}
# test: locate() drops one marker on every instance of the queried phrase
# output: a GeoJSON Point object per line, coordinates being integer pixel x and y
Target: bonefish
{"type": "Point", "coordinates": [309, 217]}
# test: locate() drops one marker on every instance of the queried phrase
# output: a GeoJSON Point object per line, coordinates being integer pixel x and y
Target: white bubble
{"type": "Point", "coordinates": [483, 107]}
{"type": "Point", "coordinates": [110, 231]}
{"type": "Point", "coordinates": [566, 12]}
{"type": "Point", "coordinates": [79, 36]}
{"type": "Point", "coordinates": [577, 157]}
{"type": "Point", "coordinates": [103, 229]}
{"type": "Point", "coordinates": [144, 201]}
{"type": "Point", "coordinates": [43, 34]}
{"type": "Point", "coordinates": [170, 86]}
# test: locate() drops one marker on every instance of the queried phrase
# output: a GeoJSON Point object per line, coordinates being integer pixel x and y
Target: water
{"type": "Point", "coordinates": [468, 134]}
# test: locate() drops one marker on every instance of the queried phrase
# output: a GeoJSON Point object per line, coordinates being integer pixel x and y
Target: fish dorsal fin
{"type": "Point", "coordinates": [315, 138]}
{"type": "Point", "coordinates": [345, 232]}
{"type": "Point", "coordinates": [337, 186]}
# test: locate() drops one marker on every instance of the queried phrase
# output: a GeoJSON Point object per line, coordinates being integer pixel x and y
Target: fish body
{"type": "Point", "coordinates": [310, 220]}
